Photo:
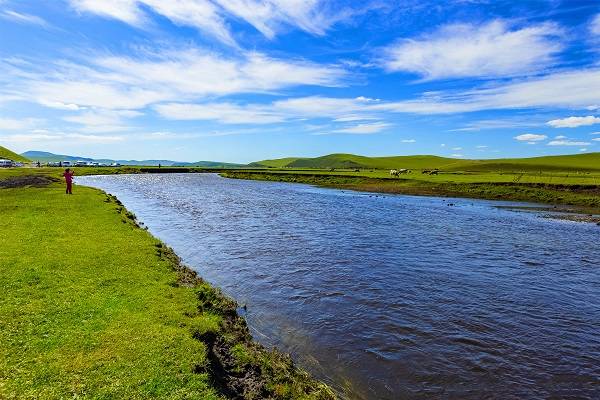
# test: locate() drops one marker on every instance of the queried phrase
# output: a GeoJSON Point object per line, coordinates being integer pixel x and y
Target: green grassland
{"type": "Point", "coordinates": [10, 155]}
{"type": "Point", "coordinates": [573, 163]}
{"type": "Point", "coordinates": [95, 307]}
{"type": "Point", "coordinates": [557, 188]}
{"type": "Point", "coordinates": [565, 180]}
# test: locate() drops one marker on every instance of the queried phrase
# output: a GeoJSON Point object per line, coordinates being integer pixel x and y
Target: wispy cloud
{"type": "Point", "coordinates": [12, 124]}
{"type": "Point", "coordinates": [336, 109]}
{"type": "Point", "coordinates": [408, 141]}
{"type": "Point", "coordinates": [23, 18]}
{"type": "Point", "coordinates": [505, 123]}
{"type": "Point", "coordinates": [70, 138]}
{"type": "Point", "coordinates": [227, 113]}
{"type": "Point", "coordinates": [493, 49]}
{"type": "Point", "coordinates": [530, 137]}
{"type": "Point", "coordinates": [103, 121]}
{"type": "Point", "coordinates": [568, 89]}
{"type": "Point", "coordinates": [364, 129]}
{"type": "Point", "coordinates": [567, 142]}
{"type": "Point", "coordinates": [174, 75]}
{"type": "Point", "coordinates": [574, 122]}
{"type": "Point", "coordinates": [211, 16]}
{"type": "Point", "coordinates": [595, 25]}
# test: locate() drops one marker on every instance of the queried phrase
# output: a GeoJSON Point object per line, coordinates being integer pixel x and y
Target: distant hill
{"type": "Point", "coordinates": [276, 163]}
{"type": "Point", "coordinates": [45, 157]}
{"type": "Point", "coordinates": [355, 161]}
{"type": "Point", "coordinates": [575, 162]}
{"type": "Point", "coordinates": [10, 155]}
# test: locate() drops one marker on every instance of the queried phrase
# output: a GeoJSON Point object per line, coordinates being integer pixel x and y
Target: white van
{"type": "Point", "coordinates": [66, 163]}
{"type": "Point", "coordinates": [5, 163]}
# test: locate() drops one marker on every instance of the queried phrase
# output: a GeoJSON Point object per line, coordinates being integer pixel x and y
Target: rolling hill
{"type": "Point", "coordinates": [275, 163]}
{"type": "Point", "coordinates": [10, 155]}
{"type": "Point", "coordinates": [575, 162]}
{"type": "Point", "coordinates": [45, 157]}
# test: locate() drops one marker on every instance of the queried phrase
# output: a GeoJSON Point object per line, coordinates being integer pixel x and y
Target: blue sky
{"type": "Point", "coordinates": [243, 80]}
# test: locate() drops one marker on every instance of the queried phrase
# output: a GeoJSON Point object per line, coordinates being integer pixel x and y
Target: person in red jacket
{"type": "Point", "coordinates": [69, 179]}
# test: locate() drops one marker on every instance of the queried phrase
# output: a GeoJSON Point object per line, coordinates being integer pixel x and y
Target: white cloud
{"type": "Point", "coordinates": [409, 141]}
{"type": "Point", "coordinates": [186, 75]}
{"type": "Point", "coordinates": [317, 106]}
{"type": "Point", "coordinates": [457, 148]}
{"type": "Point", "coordinates": [560, 137]}
{"type": "Point", "coordinates": [596, 139]}
{"type": "Point", "coordinates": [227, 113]}
{"type": "Point", "coordinates": [530, 137]}
{"type": "Point", "coordinates": [23, 18]}
{"type": "Point", "coordinates": [567, 142]}
{"type": "Point", "coordinates": [11, 124]}
{"type": "Point", "coordinates": [268, 15]}
{"type": "Point", "coordinates": [467, 50]}
{"type": "Point", "coordinates": [569, 89]}
{"type": "Point", "coordinates": [123, 10]}
{"type": "Point", "coordinates": [210, 16]}
{"type": "Point", "coordinates": [595, 25]}
{"type": "Point", "coordinates": [71, 138]}
{"type": "Point", "coordinates": [336, 109]}
{"type": "Point", "coordinates": [481, 147]}
{"type": "Point", "coordinates": [584, 149]}
{"type": "Point", "coordinates": [353, 118]}
{"type": "Point", "coordinates": [364, 129]}
{"type": "Point", "coordinates": [103, 121]}
{"type": "Point", "coordinates": [574, 122]}
{"type": "Point", "coordinates": [517, 122]}
{"type": "Point", "coordinates": [595, 133]}
{"type": "Point", "coordinates": [457, 155]}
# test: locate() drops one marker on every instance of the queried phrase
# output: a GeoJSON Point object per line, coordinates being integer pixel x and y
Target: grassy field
{"type": "Point", "coordinates": [95, 307]}
{"type": "Point", "coordinates": [10, 155]}
{"type": "Point", "coordinates": [571, 163]}
{"type": "Point", "coordinates": [558, 188]}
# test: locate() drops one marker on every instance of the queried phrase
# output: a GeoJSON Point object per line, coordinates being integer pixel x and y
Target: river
{"type": "Point", "coordinates": [390, 296]}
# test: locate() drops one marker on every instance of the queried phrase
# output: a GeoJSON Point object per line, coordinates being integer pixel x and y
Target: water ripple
{"type": "Point", "coordinates": [392, 297]}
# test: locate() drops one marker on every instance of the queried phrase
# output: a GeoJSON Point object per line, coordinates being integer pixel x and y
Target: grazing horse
{"type": "Point", "coordinates": [394, 172]}
{"type": "Point", "coordinates": [426, 171]}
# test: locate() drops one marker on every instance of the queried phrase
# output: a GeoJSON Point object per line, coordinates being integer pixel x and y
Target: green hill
{"type": "Point", "coordinates": [10, 155]}
{"type": "Point", "coordinates": [572, 162]}
{"type": "Point", "coordinates": [275, 163]}
{"type": "Point", "coordinates": [575, 162]}
{"type": "Point", "coordinates": [355, 161]}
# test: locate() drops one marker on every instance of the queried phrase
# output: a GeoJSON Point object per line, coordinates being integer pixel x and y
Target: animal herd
{"type": "Point", "coordinates": [398, 172]}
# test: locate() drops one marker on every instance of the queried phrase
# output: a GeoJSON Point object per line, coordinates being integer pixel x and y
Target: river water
{"type": "Point", "coordinates": [389, 296]}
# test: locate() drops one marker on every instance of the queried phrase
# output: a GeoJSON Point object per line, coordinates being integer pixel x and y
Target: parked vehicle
{"type": "Point", "coordinates": [5, 163]}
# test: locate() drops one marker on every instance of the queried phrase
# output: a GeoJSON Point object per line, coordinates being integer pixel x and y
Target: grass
{"type": "Point", "coordinates": [550, 188]}
{"type": "Point", "coordinates": [10, 155]}
{"type": "Point", "coordinates": [577, 162]}
{"type": "Point", "coordinates": [95, 307]}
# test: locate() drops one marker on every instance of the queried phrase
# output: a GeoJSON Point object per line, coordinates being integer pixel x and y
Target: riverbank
{"type": "Point", "coordinates": [94, 306]}
{"type": "Point", "coordinates": [579, 198]}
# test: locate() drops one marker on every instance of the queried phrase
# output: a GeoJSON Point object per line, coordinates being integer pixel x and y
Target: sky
{"type": "Point", "coordinates": [245, 80]}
